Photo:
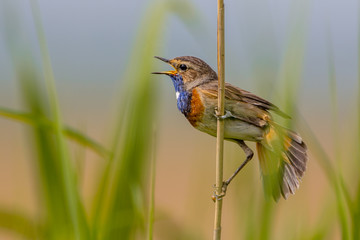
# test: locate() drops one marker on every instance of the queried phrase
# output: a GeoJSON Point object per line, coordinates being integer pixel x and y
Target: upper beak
{"type": "Point", "coordinates": [173, 72]}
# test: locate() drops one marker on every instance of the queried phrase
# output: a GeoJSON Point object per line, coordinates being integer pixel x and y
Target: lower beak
{"type": "Point", "coordinates": [166, 72]}
{"type": "Point", "coordinates": [173, 72]}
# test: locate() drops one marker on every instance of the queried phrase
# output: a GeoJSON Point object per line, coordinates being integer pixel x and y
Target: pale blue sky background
{"type": "Point", "coordinates": [89, 42]}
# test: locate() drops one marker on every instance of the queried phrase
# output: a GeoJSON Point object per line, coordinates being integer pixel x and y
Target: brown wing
{"type": "Point", "coordinates": [235, 93]}
{"type": "Point", "coordinates": [237, 108]}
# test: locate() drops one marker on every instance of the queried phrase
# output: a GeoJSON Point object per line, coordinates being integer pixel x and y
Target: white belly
{"type": "Point", "coordinates": [234, 129]}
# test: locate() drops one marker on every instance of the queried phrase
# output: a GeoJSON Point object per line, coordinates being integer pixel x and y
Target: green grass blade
{"type": "Point", "coordinates": [266, 220]}
{"type": "Point", "coordinates": [332, 176]}
{"type": "Point", "coordinates": [46, 164]}
{"type": "Point", "coordinates": [125, 210]}
{"type": "Point", "coordinates": [293, 60]}
{"type": "Point", "coordinates": [341, 189]}
{"type": "Point", "coordinates": [77, 218]}
{"type": "Point", "coordinates": [69, 132]}
{"type": "Point", "coordinates": [20, 224]}
{"type": "Point", "coordinates": [47, 159]}
{"type": "Point", "coordinates": [151, 215]}
{"type": "Point", "coordinates": [125, 179]}
{"type": "Point", "coordinates": [104, 177]}
{"type": "Point", "coordinates": [356, 215]}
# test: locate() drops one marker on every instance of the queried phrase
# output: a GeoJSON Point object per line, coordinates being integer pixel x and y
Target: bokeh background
{"type": "Point", "coordinates": [127, 132]}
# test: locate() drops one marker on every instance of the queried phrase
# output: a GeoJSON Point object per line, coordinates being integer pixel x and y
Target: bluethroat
{"type": "Point", "coordinates": [281, 152]}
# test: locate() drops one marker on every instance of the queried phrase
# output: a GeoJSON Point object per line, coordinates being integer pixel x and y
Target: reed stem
{"type": "Point", "coordinates": [220, 122]}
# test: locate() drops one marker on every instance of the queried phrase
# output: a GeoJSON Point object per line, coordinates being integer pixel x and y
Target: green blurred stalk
{"type": "Point", "coordinates": [21, 224]}
{"type": "Point", "coordinates": [338, 182]}
{"type": "Point", "coordinates": [77, 219]}
{"type": "Point", "coordinates": [151, 215]}
{"type": "Point", "coordinates": [69, 132]}
{"type": "Point", "coordinates": [331, 174]}
{"type": "Point", "coordinates": [47, 159]}
{"type": "Point", "coordinates": [293, 59]}
{"type": "Point", "coordinates": [123, 178]}
{"type": "Point", "coordinates": [288, 85]}
{"type": "Point", "coordinates": [53, 214]}
{"type": "Point", "coordinates": [122, 188]}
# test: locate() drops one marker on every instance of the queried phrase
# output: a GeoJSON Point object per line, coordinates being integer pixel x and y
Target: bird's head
{"type": "Point", "coordinates": [193, 70]}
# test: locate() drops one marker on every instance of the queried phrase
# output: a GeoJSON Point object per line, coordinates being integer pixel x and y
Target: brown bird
{"type": "Point", "coordinates": [282, 153]}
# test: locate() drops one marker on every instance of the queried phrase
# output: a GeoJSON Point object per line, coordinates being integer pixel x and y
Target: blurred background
{"type": "Point", "coordinates": [92, 145]}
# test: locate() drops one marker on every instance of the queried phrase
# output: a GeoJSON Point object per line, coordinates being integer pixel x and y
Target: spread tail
{"type": "Point", "coordinates": [283, 157]}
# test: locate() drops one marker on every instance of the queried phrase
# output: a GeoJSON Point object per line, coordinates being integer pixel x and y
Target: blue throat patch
{"type": "Point", "coordinates": [184, 97]}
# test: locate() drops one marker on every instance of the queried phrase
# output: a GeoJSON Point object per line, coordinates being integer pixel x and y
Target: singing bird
{"type": "Point", "coordinates": [281, 152]}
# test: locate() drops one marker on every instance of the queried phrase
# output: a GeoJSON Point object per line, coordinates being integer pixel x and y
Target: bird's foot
{"type": "Point", "coordinates": [222, 117]}
{"type": "Point", "coordinates": [216, 197]}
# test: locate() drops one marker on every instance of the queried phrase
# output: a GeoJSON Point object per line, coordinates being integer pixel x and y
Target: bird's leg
{"type": "Point", "coordinates": [249, 155]}
{"type": "Point", "coordinates": [227, 114]}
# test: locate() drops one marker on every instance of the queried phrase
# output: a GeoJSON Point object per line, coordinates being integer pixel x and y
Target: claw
{"type": "Point", "coordinates": [227, 114]}
{"type": "Point", "coordinates": [217, 197]}
{"type": "Point", "coordinates": [224, 187]}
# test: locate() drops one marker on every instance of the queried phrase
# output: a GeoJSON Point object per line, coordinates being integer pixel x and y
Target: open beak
{"type": "Point", "coordinates": [173, 72]}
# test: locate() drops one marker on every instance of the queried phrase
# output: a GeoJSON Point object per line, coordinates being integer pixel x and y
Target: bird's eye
{"type": "Point", "coordinates": [183, 67]}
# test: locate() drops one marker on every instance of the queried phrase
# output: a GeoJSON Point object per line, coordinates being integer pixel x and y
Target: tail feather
{"type": "Point", "coordinates": [283, 159]}
{"type": "Point", "coordinates": [290, 181]}
{"type": "Point", "coordinates": [297, 155]}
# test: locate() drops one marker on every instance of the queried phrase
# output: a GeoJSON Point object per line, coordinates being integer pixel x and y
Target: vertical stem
{"type": "Point", "coordinates": [220, 123]}
{"type": "Point", "coordinates": [66, 171]}
{"type": "Point", "coordinates": [152, 190]}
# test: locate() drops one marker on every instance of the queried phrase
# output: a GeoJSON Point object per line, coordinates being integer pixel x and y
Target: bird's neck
{"type": "Point", "coordinates": [182, 95]}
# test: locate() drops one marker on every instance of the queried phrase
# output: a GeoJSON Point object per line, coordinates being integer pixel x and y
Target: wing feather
{"type": "Point", "coordinates": [238, 94]}
{"type": "Point", "coordinates": [238, 109]}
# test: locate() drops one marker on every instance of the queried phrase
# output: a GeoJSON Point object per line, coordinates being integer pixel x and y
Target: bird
{"type": "Point", "coordinates": [282, 153]}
